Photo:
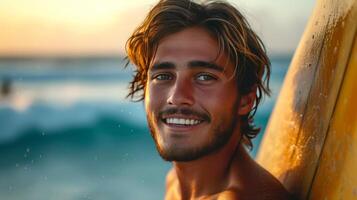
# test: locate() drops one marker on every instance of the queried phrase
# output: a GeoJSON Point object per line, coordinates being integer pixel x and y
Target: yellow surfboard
{"type": "Point", "coordinates": [310, 143]}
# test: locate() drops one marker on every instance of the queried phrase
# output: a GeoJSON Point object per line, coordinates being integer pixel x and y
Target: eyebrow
{"type": "Point", "coordinates": [191, 64]}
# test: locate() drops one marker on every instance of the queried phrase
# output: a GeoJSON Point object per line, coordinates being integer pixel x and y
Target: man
{"type": "Point", "coordinates": [200, 72]}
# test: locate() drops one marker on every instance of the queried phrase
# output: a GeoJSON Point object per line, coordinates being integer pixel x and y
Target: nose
{"type": "Point", "coordinates": [181, 92]}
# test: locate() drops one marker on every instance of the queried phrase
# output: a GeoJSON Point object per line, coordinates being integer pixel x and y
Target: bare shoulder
{"type": "Point", "coordinates": [251, 181]}
{"type": "Point", "coordinates": [258, 185]}
{"type": "Point", "coordinates": [228, 195]}
{"type": "Point", "coordinates": [269, 186]}
{"type": "Point", "coordinates": [233, 194]}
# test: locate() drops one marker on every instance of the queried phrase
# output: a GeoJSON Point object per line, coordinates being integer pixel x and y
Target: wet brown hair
{"type": "Point", "coordinates": [233, 33]}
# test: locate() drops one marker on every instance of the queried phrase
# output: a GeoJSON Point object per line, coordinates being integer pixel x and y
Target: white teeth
{"type": "Point", "coordinates": [187, 121]}
{"type": "Point", "coordinates": [175, 121]}
{"type": "Point", "coordinates": [181, 121]}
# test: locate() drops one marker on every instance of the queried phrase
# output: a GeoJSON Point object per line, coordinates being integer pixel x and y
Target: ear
{"type": "Point", "coordinates": [246, 103]}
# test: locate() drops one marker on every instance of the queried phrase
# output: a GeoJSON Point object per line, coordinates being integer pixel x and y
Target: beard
{"type": "Point", "coordinates": [221, 132]}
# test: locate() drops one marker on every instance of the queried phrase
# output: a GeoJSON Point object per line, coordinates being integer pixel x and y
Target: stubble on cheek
{"type": "Point", "coordinates": [153, 129]}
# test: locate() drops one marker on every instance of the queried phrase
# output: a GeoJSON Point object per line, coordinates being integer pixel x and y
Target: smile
{"type": "Point", "coordinates": [182, 121]}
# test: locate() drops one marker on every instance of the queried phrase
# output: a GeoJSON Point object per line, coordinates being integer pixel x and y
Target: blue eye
{"type": "Point", "coordinates": [205, 77]}
{"type": "Point", "coordinates": [163, 77]}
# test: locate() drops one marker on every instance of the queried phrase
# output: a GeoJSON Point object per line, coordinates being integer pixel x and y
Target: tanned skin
{"type": "Point", "coordinates": [244, 179]}
{"type": "Point", "coordinates": [180, 78]}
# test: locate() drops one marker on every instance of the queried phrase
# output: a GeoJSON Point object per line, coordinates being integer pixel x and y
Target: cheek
{"type": "Point", "coordinates": [220, 101]}
{"type": "Point", "coordinates": [153, 99]}
{"type": "Point", "coordinates": [148, 99]}
{"type": "Point", "coordinates": [220, 96]}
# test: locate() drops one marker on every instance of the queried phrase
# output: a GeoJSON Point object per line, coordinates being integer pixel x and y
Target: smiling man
{"type": "Point", "coordinates": [201, 72]}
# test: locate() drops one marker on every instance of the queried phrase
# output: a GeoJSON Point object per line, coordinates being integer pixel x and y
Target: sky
{"type": "Point", "coordinates": [101, 27]}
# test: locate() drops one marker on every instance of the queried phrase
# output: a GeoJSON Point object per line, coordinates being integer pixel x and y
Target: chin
{"type": "Point", "coordinates": [178, 153]}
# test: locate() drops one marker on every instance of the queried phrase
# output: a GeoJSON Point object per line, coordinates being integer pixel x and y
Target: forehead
{"type": "Point", "coordinates": [190, 44]}
{"type": "Point", "coordinates": [191, 40]}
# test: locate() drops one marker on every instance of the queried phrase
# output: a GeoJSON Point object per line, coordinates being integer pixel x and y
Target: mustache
{"type": "Point", "coordinates": [185, 111]}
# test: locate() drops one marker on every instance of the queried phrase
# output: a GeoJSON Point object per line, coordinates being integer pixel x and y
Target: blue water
{"type": "Point", "coordinates": [67, 131]}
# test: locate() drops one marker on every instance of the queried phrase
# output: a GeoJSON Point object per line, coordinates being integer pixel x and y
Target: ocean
{"type": "Point", "coordinates": [67, 132]}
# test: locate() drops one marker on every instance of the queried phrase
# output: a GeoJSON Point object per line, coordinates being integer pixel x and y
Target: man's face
{"type": "Point", "coordinates": [191, 96]}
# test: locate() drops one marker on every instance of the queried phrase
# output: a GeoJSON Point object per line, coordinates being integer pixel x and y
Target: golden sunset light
{"type": "Point", "coordinates": [67, 27]}
{"type": "Point", "coordinates": [96, 27]}
{"type": "Point", "coordinates": [83, 117]}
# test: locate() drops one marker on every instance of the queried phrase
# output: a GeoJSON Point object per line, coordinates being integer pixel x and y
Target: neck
{"type": "Point", "coordinates": [209, 174]}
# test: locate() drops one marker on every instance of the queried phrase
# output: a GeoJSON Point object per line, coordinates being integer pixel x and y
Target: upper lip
{"type": "Point", "coordinates": [183, 113]}
{"type": "Point", "coordinates": [180, 116]}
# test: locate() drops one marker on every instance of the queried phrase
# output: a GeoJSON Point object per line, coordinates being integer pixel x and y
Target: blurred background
{"type": "Point", "coordinates": [66, 129]}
